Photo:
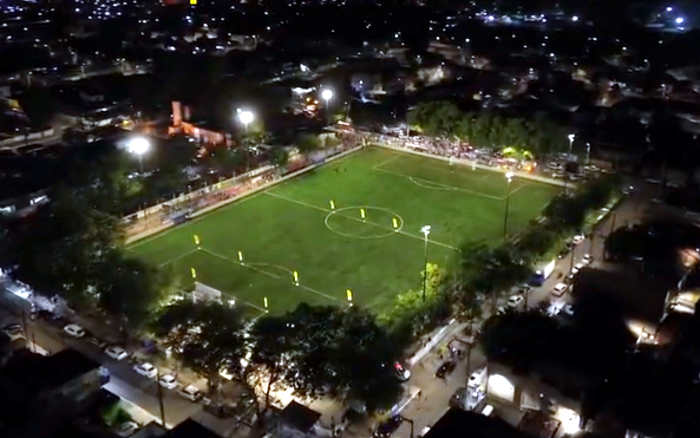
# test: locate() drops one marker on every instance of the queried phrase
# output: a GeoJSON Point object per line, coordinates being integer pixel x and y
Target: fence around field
{"type": "Point", "coordinates": [160, 217]}
{"type": "Point", "coordinates": [397, 145]}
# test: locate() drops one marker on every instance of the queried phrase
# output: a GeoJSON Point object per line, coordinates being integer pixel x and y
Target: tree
{"type": "Point", "coordinates": [537, 240]}
{"type": "Point", "coordinates": [39, 105]}
{"type": "Point", "coordinates": [227, 160]}
{"type": "Point", "coordinates": [280, 157]}
{"type": "Point", "coordinates": [205, 337]}
{"type": "Point", "coordinates": [410, 314]}
{"type": "Point", "coordinates": [326, 350]}
{"type": "Point", "coordinates": [308, 142]}
{"type": "Point", "coordinates": [131, 290]}
{"type": "Point", "coordinates": [274, 340]}
{"type": "Point", "coordinates": [58, 250]}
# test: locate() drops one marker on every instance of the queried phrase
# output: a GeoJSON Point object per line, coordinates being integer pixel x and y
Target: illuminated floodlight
{"type": "Point", "coordinates": [326, 95]}
{"type": "Point", "coordinates": [574, 18]}
{"type": "Point", "coordinates": [138, 146]}
{"type": "Point", "coordinates": [679, 20]}
{"type": "Point", "coordinates": [245, 116]}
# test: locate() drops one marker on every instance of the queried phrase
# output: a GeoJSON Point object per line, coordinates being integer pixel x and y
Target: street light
{"type": "Point", "coordinates": [509, 178]}
{"type": "Point", "coordinates": [138, 146]}
{"type": "Point", "coordinates": [326, 95]}
{"type": "Point", "coordinates": [246, 117]}
{"type": "Point", "coordinates": [571, 142]}
{"type": "Point", "coordinates": [425, 229]}
{"type": "Point", "coordinates": [588, 152]}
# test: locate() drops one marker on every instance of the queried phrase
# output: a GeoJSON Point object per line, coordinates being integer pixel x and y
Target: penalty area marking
{"type": "Point", "coordinates": [253, 267]}
{"type": "Point", "coordinates": [432, 185]}
{"type": "Point", "coordinates": [174, 259]}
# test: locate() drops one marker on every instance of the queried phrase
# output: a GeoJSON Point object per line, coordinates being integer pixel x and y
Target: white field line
{"type": "Point", "coordinates": [469, 163]}
{"type": "Point", "coordinates": [174, 259]}
{"type": "Point", "coordinates": [387, 161]}
{"type": "Point", "coordinates": [140, 238]}
{"type": "Point", "coordinates": [439, 186]}
{"type": "Point", "coordinates": [405, 233]}
{"type": "Point", "coordinates": [270, 274]}
{"type": "Point", "coordinates": [159, 235]}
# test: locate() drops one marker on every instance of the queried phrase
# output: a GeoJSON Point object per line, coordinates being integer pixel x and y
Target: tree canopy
{"type": "Point", "coordinates": [538, 135]}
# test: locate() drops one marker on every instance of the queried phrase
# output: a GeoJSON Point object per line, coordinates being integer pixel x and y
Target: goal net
{"type": "Point", "coordinates": [204, 293]}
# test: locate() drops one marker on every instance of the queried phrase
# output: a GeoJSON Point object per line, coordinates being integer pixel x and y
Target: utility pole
{"type": "Point", "coordinates": [571, 261]}
{"type": "Point", "coordinates": [409, 421]}
{"type": "Point", "coordinates": [160, 399]}
{"type": "Point", "coordinates": [469, 360]}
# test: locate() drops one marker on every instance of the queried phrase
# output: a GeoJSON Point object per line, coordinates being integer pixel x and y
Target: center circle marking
{"type": "Point", "coordinates": [383, 230]}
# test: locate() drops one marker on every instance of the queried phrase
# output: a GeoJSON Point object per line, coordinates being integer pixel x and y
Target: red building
{"type": "Point", "coordinates": [182, 124]}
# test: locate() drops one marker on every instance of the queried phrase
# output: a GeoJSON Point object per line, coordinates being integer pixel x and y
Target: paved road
{"type": "Point", "coordinates": [424, 410]}
{"type": "Point", "coordinates": [125, 382]}
{"type": "Point", "coordinates": [436, 393]}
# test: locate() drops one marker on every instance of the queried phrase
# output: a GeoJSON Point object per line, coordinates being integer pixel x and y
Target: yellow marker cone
{"type": "Point", "coordinates": [332, 202]}
{"type": "Point", "coordinates": [395, 223]}
{"type": "Point", "coordinates": [265, 302]}
{"type": "Point", "coordinates": [363, 214]}
{"type": "Point", "coordinates": [295, 274]}
{"type": "Point", "coordinates": [194, 273]}
{"type": "Point", "coordinates": [348, 292]}
{"type": "Point", "coordinates": [196, 239]}
{"type": "Point", "coordinates": [240, 256]}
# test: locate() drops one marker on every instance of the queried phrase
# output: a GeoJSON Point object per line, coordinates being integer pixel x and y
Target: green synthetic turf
{"type": "Point", "coordinates": [291, 227]}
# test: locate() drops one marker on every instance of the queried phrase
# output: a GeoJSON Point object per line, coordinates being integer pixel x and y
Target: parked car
{"type": "Point", "coordinates": [578, 239]}
{"type": "Point", "coordinates": [515, 300]}
{"type": "Point", "coordinates": [401, 372]}
{"type": "Point", "coordinates": [168, 381]}
{"type": "Point", "coordinates": [127, 428]}
{"type": "Point", "coordinates": [97, 342]}
{"type": "Point", "coordinates": [74, 330]}
{"type": "Point", "coordinates": [387, 427]}
{"type": "Point", "coordinates": [116, 352]}
{"type": "Point", "coordinates": [587, 259]}
{"type": "Point", "coordinates": [568, 309]}
{"type": "Point", "coordinates": [13, 331]}
{"type": "Point", "coordinates": [146, 369]}
{"type": "Point", "coordinates": [190, 392]}
{"type": "Point", "coordinates": [578, 266]}
{"type": "Point", "coordinates": [554, 308]}
{"type": "Point", "coordinates": [559, 289]}
{"type": "Point", "coordinates": [459, 398]}
{"type": "Point", "coordinates": [445, 369]}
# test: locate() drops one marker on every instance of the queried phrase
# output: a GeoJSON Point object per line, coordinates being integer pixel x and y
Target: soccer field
{"type": "Point", "coordinates": [291, 227]}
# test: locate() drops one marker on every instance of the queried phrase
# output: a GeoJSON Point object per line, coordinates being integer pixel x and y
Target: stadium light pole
{"type": "Point", "coordinates": [509, 178]}
{"type": "Point", "coordinates": [588, 152]}
{"type": "Point", "coordinates": [138, 146]}
{"type": "Point", "coordinates": [571, 138]}
{"type": "Point", "coordinates": [245, 117]}
{"type": "Point", "coordinates": [326, 95]}
{"type": "Point", "coordinates": [426, 231]}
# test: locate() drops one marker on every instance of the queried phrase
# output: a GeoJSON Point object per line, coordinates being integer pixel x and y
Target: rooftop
{"type": "Point", "coordinates": [299, 416]}
{"type": "Point", "coordinates": [457, 423]}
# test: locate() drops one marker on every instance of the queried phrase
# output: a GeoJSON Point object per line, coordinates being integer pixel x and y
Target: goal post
{"type": "Point", "coordinates": [205, 293]}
